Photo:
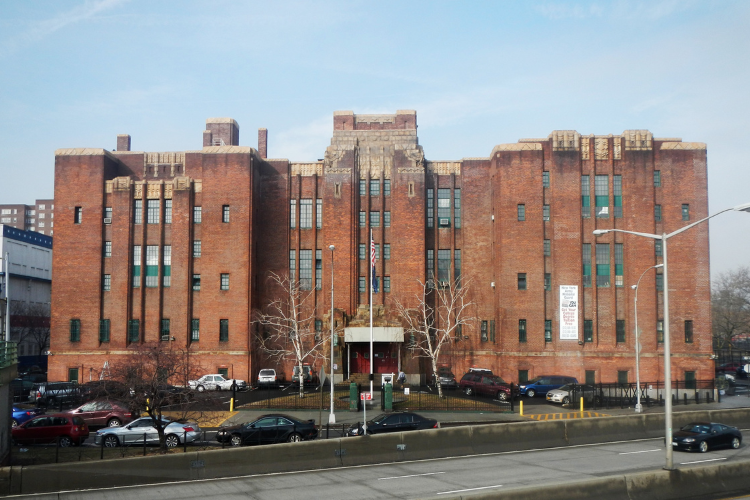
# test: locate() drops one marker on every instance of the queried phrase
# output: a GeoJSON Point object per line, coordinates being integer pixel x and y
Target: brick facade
{"type": "Point", "coordinates": [495, 247]}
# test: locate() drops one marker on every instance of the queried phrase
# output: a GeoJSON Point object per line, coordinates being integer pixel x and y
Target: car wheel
{"type": "Point", "coordinates": [735, 443]}
{"type": "Point", "coordinates": [502, 396]}
{"type": "Point", "coordinates": [703, 447]}
{"type": "Point", "coordinates": [114, 422]}
{"type": "Point", "coordinates": [14, 423]}
{"type": "Point", "coordinates": [235, 440]}
{"type": "Point", "coordinates": [172, 441]}
{"type": "Point", "coordinates": [111, 442]}
{"type": "Point", "coordinates": [566, 400]}
{"type": "Point", "coordinates": [469, 391]}
{"type": "Point", "coordinates": [200, 388]}
{"type": "Point", "coordinates": [65, 442]}
{"type": "Point", "coordinates": [531, 393]}
{"type": "Point", "coordinates": [294, 438]}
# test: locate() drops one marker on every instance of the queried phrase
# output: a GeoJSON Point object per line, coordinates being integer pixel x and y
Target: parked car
{"type": "Point", "coordinates": [393, 422]}
{"type": "Point", "coordinates": [134, 433]}
{"type": "Point", "coordinates": [567, 392]}
{"type": "Point", "coordinates": [21, 415]}
{"type": "Point", "coordinates": [485, 384]}
{"type": "Point", "coordinates": [269, 377]}
{"type": "Point", "coordinates": [216, 382]}
{"type": "Point", "coordinates": [63, 428]}
{"type": "Point", "coordinates": [51, 393]}
{"type": "Point", "coordinates": [703, 436]}
{"type": "Point", "coordinates": [735, 369]}
{"type": "Point", "coordinates": [103, 413]}
{"type": "Point", "coordinates": [21, 389]}
{"type": "Point", "coordinates": [446, 377]}
{"type": "Point", "coordinates": [544, 384]}
{"type": "Point", "coordinates": [268, 429]}
{"type": "Point", "coordinates": [309, 376]}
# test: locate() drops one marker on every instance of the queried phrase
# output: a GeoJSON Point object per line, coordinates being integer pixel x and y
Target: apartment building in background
{"type": "Point", "coordinates": [39, 217]}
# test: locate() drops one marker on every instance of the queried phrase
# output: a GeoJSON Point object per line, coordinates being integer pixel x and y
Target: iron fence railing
{"type": "Point", "coordinates": [652, 394]}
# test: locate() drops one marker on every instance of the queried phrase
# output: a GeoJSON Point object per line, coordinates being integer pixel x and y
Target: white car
{"type": "Point", "coordinates": [565, 394]}
{"type": "Point", "coordinates": [270, 377]}
{"type": "Point", "coordinates": [135, 432]}
{"type": "Point", "coordinates": [216, 382]}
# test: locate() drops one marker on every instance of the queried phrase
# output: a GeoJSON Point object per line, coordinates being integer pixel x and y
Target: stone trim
{"type": "Point", "coordinates": [683, 145]}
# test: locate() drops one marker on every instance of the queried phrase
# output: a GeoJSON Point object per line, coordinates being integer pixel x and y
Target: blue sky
{"type": "Point", "coordinates": [77, 73]}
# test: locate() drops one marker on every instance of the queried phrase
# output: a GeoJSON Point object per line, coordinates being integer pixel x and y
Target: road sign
{"type": "Point", "coordinates": [365, 396]}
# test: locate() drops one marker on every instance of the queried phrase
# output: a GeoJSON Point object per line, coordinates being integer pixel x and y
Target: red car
{"type": "Point", "coordinates": [64, 428]}
{"type": "Point", "coordinates": [103, 413]}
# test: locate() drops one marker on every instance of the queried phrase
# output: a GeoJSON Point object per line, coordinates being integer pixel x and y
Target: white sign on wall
{"type": "Point", "coordinates": [568, 312]}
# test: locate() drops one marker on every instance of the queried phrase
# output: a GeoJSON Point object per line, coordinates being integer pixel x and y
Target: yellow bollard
{"type": "Point", "coordinates": [581, 404]}
{"type": "Point", "coordinates": [520, 403]}
{"type": "Point", "coordinates": [231, 404]}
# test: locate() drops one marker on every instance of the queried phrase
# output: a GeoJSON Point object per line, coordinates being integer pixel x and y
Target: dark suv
{"type": "Point", "coordinates": [485, 384]}
{"type": "Point", "coordinates": [52, 393]}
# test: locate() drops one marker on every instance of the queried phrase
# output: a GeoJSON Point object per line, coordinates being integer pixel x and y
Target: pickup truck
{"type": "Point", "coordinates": [216, 382]}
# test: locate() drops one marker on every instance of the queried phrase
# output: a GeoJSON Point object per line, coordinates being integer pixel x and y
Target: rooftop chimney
{"type": "Point", "coordinates": [263, 142]}
{"type": "Point", "coordinates": [224, 132]}
{"type": "Point", "coordinates": [123, 142]}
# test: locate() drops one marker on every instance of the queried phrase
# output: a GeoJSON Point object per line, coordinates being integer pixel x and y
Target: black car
{"type": "Point", "coordinates": [393, 422]}
{"type": "Point", "coordinates": [704, 435]}
{"type": "Point", "coordinates": [268, 429]}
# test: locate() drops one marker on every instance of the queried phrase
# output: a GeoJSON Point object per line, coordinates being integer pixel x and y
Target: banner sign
{"type": "Point", "coordinates": [568, 312]}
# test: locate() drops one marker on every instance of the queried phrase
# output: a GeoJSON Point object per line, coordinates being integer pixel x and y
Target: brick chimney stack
{"type": "Point", "coordinates": [222, 130]}
{"type": "Point", "coordinates": [263, 142]}
{"type": "Point", "coordinates": [123, 142]}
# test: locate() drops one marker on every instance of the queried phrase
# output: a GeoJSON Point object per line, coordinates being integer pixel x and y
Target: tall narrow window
{"type": "Point", "coordinates": [107, 282]}
{"type": "Point", "coordinates": [377, 251]}
{"type": "Point", "coordinates": [195, 330]}
{"type": "Point", "coordinates": [137, 266]}
{"type": "Point", "coordinates": [75, 330]}
{"type": "Point", "coordinates": [585, 197]}
{"type": "Point", "coordinates": [305, 214]}
{"type": "Point", "coordinates": [152, 211]}
{"type": "Point", "coordinates": [586, 259]}
{"type": "Point", "coordinates": [374, 219]}
{"type": "Point", "coordinates": [659, 282]}
{"type": "Point", "coordinates": [548, 330]}
{"type": "Point", "coordinates": [545, 212]}
{"type": "Point", "coordinates": [362, 284]}
{"type": "Point", "coordinates": [590, 377]}
{"type": "Point", "coordinates": [617, 188]}
{"type": "Point", "coordinates": [363, 219]}
{"type": "Point", "coordinates": [103, 330]}
{"type": "Point", "coordinates": [107, 249]}
{"type": "Point", "coordinates": [196, 282]}
{"type": "Point", "coordinates": [318, 269]}
{"type": "Point", "coordinates": [522, 330]}
{"type": "Point", "coordinates": [164, 331]}
{"type": "Point", "coordinates": [167, 265]}
{"type": "Point", "coordinates": [77, 215]}
{"type": "Point", "coordinates": [293, 265]}
{"type": "Point", "coordinates": [657, 178]}
{"type": "Point", "coordinates": [386, 219]}
{"type": "Point", "coordinates": [386, 187]}
{"type": "Point", "coordinates": [602, 265]}
{"type": "Point", "coordinates": [657, 213]}
{"type": "Point", "coordinates": [457, 208]}
{"type": "Point", "coordinates": [547, 248]}
{"type": "Point", "coordinates": [619, 268]}
{"type": "Point", "coordinates": [483, 331]}
{"type": "Point", "coordinates": [545, 179]}
{"type": "Point", "coordinates": [138, 212]}
{"type": "Point", "coordinates": [72, 374]}
{"type": "Point", "coordinates": [521, 209]}
{"type": "Point", "coordinates": [457, 267]}
{"type": "Point", "coordinates": [444, 207]}
{"type": "Point", "coordinates": [225, 213]}
{"type": "Point", "coordinates": [387, 251]}
{"type": "Point", "coordinates": [685, 212]}
{"type": "Point", "coordinates": [522, 281]}
{"type": "Point", "coordinates": [622, 377]}
{"type": "Point", "coordinates": [588, 330]}
{"type": "Point", "coordinates": [318, 213]}
{"type": "Point", "coordinates": [660, 331]}
{"type": "Point", "coordinates": [374, 187]}
{"type": "Point", "coordinates": [523, 376]}
{"type": "Point", "coordinates": [197, 215]}
{"type": "Point", "coordinates": [223, 330]}
{"type": "Point", "coordinates": [601, 195]}
{"type": "Point", "coordinates": [134, 330]}
{"type": "Point", "coordinates": [430, 207]}
{"type": "Point", "coordinates": [620, 330]}
{"type": "Point", "coordinates": [362, 251]}
{"type": "Point", "coordinates": [196, 248]}
{"type": "Point", "coordinates": [293, 213]}
{"type": "Point", "coordinates": [657, 248]}
{"type": "Point", "coordinates": [690, 380]}
{"type": "Point", "coordinates": [547, 281]}
{"type": "Point", "coordinates": [386, 283]}
{"type": "Point", "coordinates": [444, 267]}
{"type": "Point", "coordinates": [152, 266]}
{"type": "Point", "coordinates": [107, 213]}
{"type": "Point", "coordinates": [688, 331]}
{"type": "Point", "coordinates": [167, 211]}
{"type": "Point", "coordinates": [305, 269]}
{"type": "Point", "coordinates": [363, 187]}
{"type": "Point", "coordinates": [430, 265]}
{"type": "Point", "coordinates": [224, 281]}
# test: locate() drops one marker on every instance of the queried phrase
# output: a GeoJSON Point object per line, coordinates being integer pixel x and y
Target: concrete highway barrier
{"type": "Point", "coordinates": [596, 430]}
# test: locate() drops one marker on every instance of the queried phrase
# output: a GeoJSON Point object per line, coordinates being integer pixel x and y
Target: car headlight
{"type": "Point", "coordinates": [522, 386]}
{"type": "Point", "coordinates": [689, 440]}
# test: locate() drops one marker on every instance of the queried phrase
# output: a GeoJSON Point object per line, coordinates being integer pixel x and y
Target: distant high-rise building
{"type": "Point", "coordinates": [39, 217]}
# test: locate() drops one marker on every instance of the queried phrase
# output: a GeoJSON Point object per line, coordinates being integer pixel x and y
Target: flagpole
{"type": "Point", "coordinates": [372, 284]}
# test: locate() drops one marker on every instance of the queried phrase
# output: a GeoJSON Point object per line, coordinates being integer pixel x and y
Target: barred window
{"type": "Point", "coordinates": [545, 212]}
{"type": "Point", "coordinates": [305, 269]}
{"type": "Point", "coordinates": [152, 211]}
{"type": "Point", "coordinates": [363, 187]}
{"type": "Point", "coordinates": [430, 207]}
{"type": "Point", "coordinates": [457, 208]}
{"type": "Point", "coordinates": [103, 330]}
{"type": "Point", "coordinates": [657, 213]}
{"type": "Point", "coordinates": [620, 330]}
{"type": "Point", "coordinates": [602, 265]}
{"type": "Point", "coordinates": [318, 213]}
{"type": "Point", "coordinates": [225, 213]}
{"type": "Point", "coordinates": [521, 212]}
{"type": "Point", "coordinates": [660, 331]}
{"type": "Point", "coordinates": [223, 330]}
{"type": "Point", "coordinates": [138, 212]}
{"type": "Point", "coordinates": [386, 187]}
{"type": "Point", "coordinates": [374, 219]}
{"type": "Point", "coordinates": [293, 265]}
{"type": "Point", "coordinates": [657, 178]}
{"type": "Point", "coordinates": [152, 266]}
{"type": "Point", "coordinates": [136, 266]}
{"type": "Point", "coordinates": [106, 283]}
{"type": "Point", "coordinates": [386, 219]}
{"type": "Point", "coordinates": [522, 330]}
{"type": "Point", "coordinates": [318, 269]}
{"type": "Point", "coordinates": [601, 195]}
{"type": "Point", "coordinates": [362, 284]}
{"type": "Point", "coordinates": [292, 214]}
{"type": "Point", "coordinates": [75, 330]}
{"type": "Point", "coordinates": [134, 330]}
{"type": "Point", "coordinates": [483, 331]}
{"type": "Point", "coordinates": [430, 265]}
{"type": "Point", "coordinates": [585, 197]}
{"type": "Point", "coordinates": [196, 248]}
{"type": "Point", "coordinates": [386, 283]}
{"type": "Point", "coordinates": [195, 330]}
{"type": "Point", "coordinates": [167, 265]}
{"type": "Point", "coordinates": [305, 214]}
{"type": "Point", "coordinates": [547, 248]}
{"type": "Point", "coordinates": [167, 211]}
{"type": "Point", "coordinates": [374, 187]}
{"type": "Point", "coordinates": [387, 251]}
{"type": "Point", "coordinates": [362, 219]}
{"type": "Point", "coordinates": [197, 215]}
{"type": "Point", "coordinates": [224, 281]}
{"type": "Point", "coordinates": [586, 259]}
{"type": "Point", "coordinates": [107, 249]}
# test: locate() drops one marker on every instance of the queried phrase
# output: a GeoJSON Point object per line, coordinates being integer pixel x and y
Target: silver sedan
{"type": "Point", "coordinates": [143, 428]}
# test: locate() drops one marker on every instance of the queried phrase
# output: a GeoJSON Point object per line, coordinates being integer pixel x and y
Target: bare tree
{"type": "Point", "coordinates": [148, 374]}
{"type": "Point", "coordinates": [730, 304]}
{"type": "Point", "coordinates": [287, 326]}
{"type": "Point", "coordinates": [31, 324]}
{"type": "Point", "coordinates": [436, 320]}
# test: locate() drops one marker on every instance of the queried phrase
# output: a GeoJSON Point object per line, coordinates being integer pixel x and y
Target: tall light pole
{"type": "Point", "coordinates": [667, 354]}
{"type": "Point", "coordinates": [7, 297]}
{"type": "Point", "coordinates": [638, 406]}
{"type": "Point", "coordinates": [331, 417]}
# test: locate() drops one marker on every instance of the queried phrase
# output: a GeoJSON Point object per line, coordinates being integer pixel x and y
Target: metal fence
{"type": "Point", "coordinates": [652, 394]}
{"type": "Point", "coordinates": [427, 398]}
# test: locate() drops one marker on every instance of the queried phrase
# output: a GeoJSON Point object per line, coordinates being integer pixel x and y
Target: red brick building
{"type": "Point", "coordinates": [178, 245]}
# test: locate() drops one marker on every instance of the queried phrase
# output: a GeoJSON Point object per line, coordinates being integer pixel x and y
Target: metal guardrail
{"type": "Point", "coordinates": [8, 354]}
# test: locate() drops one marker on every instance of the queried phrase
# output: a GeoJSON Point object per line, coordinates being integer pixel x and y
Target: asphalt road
{"type": "Point", "coordinates": [427, 478]}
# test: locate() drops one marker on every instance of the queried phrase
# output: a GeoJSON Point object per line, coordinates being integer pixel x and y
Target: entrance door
{"type": "Point", "coordinates": [385, 354]}
{"type": "Point", "coordinates": [360, 358]}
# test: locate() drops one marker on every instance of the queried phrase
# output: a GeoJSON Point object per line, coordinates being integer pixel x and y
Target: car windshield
{"type": "Point", "coordinates": [267, 372]}
{"type": "Point", "coordinates": [699, 428]}
{"type": "Point", "coordinates": [534, 380]}
{"type": "Point", "coordinates": [497, 379]}
{"type": "Point", "coordinates": [566, 387]}
{"type": "Point", "coordinates": [379, 418]}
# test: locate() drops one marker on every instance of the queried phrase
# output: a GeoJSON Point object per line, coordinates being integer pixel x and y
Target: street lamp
{"type": "Point", "coordinates": [638, 406]}
{"type": "Point", "coordinates": [667, 361]}
{"type": "Point", "coordinates": [331, 417]}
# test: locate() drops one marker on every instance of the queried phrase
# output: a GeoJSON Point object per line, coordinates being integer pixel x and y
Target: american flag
{"type": "Point", "coordinates": [374, 279]}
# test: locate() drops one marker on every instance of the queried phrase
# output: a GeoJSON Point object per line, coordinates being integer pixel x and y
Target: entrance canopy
{"type": "Point", "coordinates": [379, 334]}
